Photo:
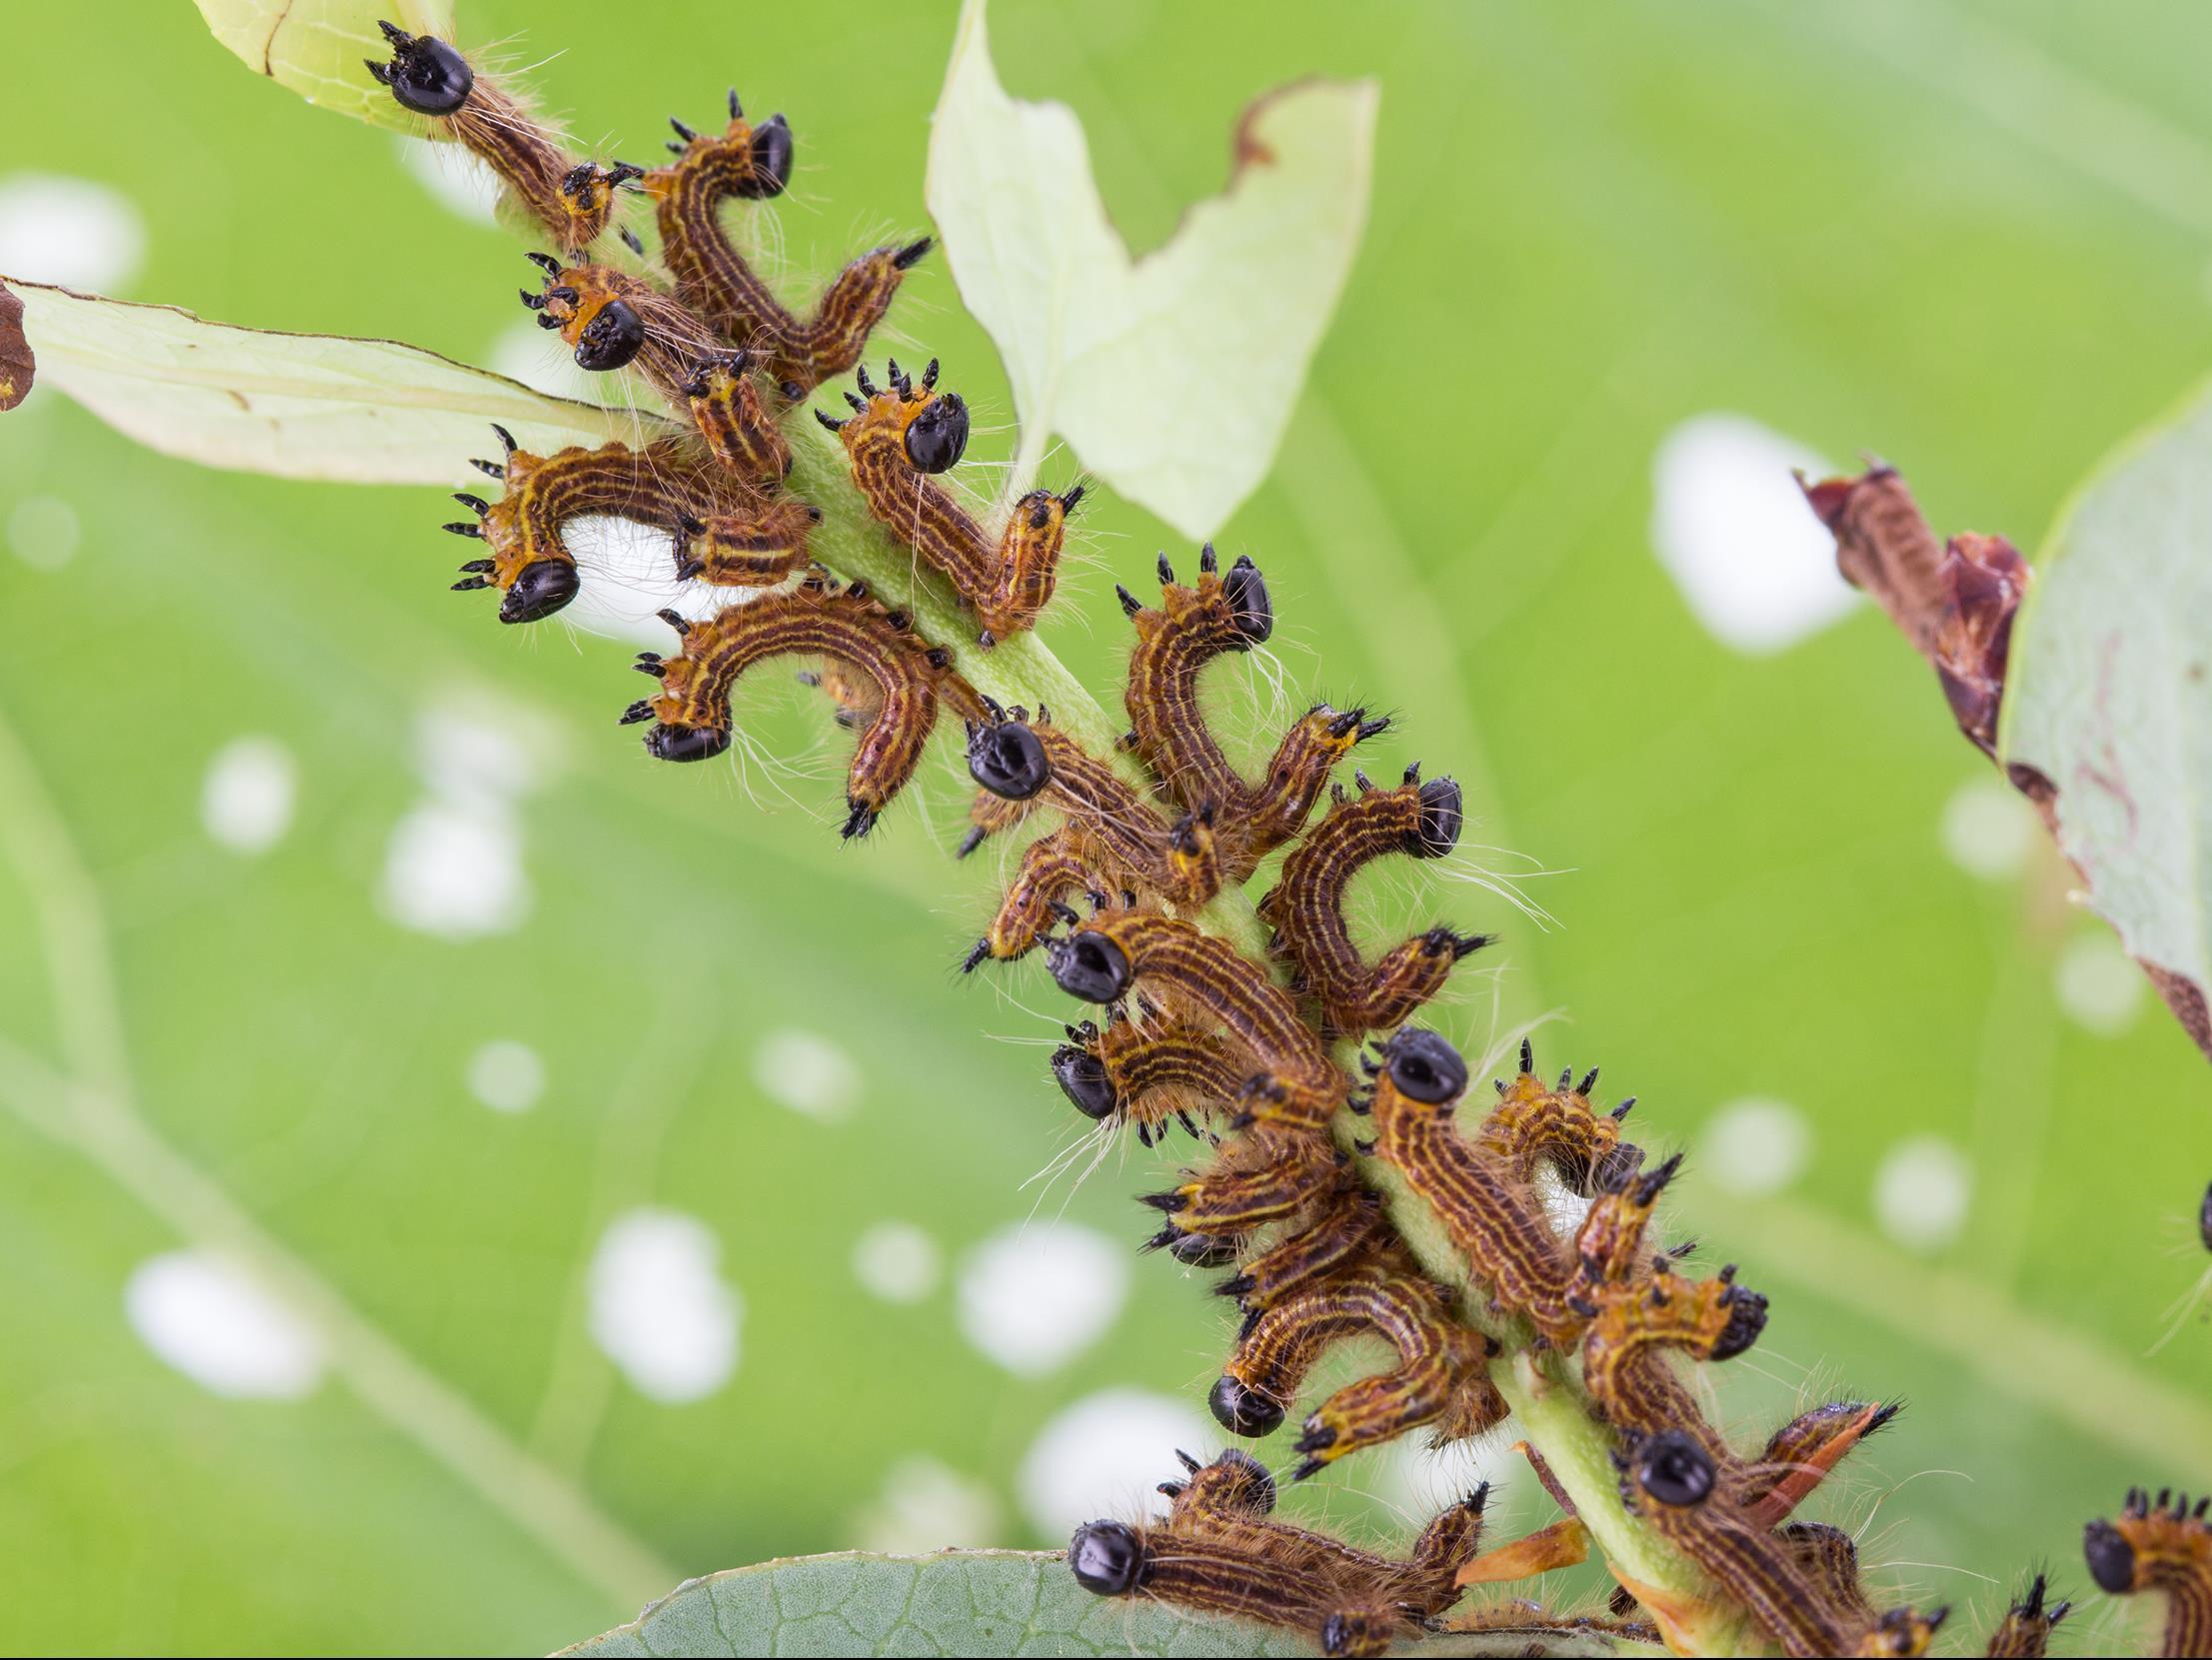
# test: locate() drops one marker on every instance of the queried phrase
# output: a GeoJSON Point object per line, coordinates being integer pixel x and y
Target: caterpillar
{"type": "Point", "coordinates": [2162, 1544]}
{"type": "Point", "coordinates": [1306, 907]}
{"type": "Point", "coordinates": [1671, 1481]}
{"type": "Point", "coordinates": [897, 439]}
{"type": "Point", "coordinates": [692, 719]}
{"type": "Point", "coordinates": [1441, 1378]}
{"type": "Point", "coordinates": [1297, 1087]}
{"type": "Point", "coordinates": [1220, 1551]}
{"type": "Point", "coordinates": [610, 320]}
{"type": "Point", "coordinates": [572, 200]}
{"type": "Point", "coordinates": [1169, 733]}
{"type": "Point", "coordinates": [1145, 1074]}
{"type": "Point", "coordinates": [1110, 835]}
{"type": "Point", "coordinates": [754, 163]}
{"type": "Point", "coordinates": [1491, 1219]}
{"type": "Point", "coordinates": [1557, 1127]}
{"type": "Point", "coordinates": [530, 562]}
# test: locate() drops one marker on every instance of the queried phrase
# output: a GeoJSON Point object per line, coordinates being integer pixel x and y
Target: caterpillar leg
{"type": "Point", "coordinates": [1261, 1180]}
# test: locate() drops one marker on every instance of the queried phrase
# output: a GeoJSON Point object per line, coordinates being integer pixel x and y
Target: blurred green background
{"type": "Point", "coordinates": [1964, 1151]}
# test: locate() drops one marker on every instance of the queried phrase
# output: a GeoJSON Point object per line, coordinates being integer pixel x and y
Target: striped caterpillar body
{"type": "Point", "coordinates": [1146, 1074]}
{"type": "Point", "coordinates": [2159, 1545]}
{"type": "Point", "coordinates": [1221, 1550]}
{"type": "Point", "coordinates": [897, 439]}
{"type": "Point", "coordinates": [2025, 1631]}
{"type": "Point", "coordinates": [1441, 1378]}
{"type": "Point", "coordinates": [692, 719]}
{"type": "Point", "coordinates": [530, 562]}
{"type": "Point", "coordinates": [1168, 732]}
{"type": "Point", "coordinates": [572, 200]}
{"type": "Point", "coordinates": [1308, 907]}
{"type": "Point", "coordinates": [751, 163]}
{"type": "Point", "coordinates": [1109, 834]}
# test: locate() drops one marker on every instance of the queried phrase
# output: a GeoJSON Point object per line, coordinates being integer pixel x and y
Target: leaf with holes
{"type": "Point", "coordinates": [1173, 374]}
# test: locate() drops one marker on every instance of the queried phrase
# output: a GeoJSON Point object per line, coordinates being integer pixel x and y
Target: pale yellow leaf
{"type": "Point", "coordinates": [1174, 376]}
{"type": "Point", "coordinates": [294, 405]}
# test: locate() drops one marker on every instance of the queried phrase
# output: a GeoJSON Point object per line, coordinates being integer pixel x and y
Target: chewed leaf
{"type": "Point", "coordinates": [1173, 374]}
{"type": "Point", "coordinates": [2110, 698]}
{"type": "Point", "coordinates": [293, 405]}
{"type": "Point", "coordinates": [316, 47]}
{"type": "Point", "coordinates": [983, 1602]}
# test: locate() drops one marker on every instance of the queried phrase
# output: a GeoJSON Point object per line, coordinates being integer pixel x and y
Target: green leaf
{"type": "Point", "coordinates": [297, 406]}
{"type": "Point", "coordinates": [2110, 694]}
{"type": "Point", "coordinates": [971, 1602]}
{"type": "Point", "coordinates": [318, 48]}
{"type": "Point", "coordinates": [1173, 374]}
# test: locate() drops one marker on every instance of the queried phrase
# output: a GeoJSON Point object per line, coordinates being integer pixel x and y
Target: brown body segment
{"type": "Point", "coordinates": [611, 320]}
{"type": "Point", "coordinates": [523, 532]}
{"type": "Point", "coordinates": [1306, 907]}
{"type": "Point", "coordinates": [1262, 1176]}
{"type": "Point", "coordinates": [1534, 1125]}
{"type": "Point", "coordinates": [1221, 1551]}
{"type": "Point", "coordinates": [1786, 1584]}
{"type": "Point", "coordinates": [1168, 731]}
{"type": "Point", "coordinates": [1493, 1218]}
{"type": "Point", "coordinates": [1149, 1074]}
{"type": "Point", "coordinates": [715, 280]}
{"type": "Point", "coordinates": [1347, 1225]}
{"type": "Point", "coordinates": [897, 439]}
{"type": "Point", "coordinates": [815, 621]}
{"type": "Point", "coordinates": [2161, 1545]}
{"type": "Point", "coordinates": [572, 200]}
{"type": "Point", "coordinates": [1180, 969]}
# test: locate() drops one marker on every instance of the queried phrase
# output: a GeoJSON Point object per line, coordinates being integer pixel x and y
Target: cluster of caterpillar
{"type": "Point", "coordinates": [1259, 1060]}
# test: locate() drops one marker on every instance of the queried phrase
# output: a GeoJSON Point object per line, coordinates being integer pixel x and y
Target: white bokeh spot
{"type": "Point", "coordinates": [1103, 1455]}
{"type": "Point", "coordinates": [924, 1506]}
{"type": "Point", "coordinates": [807, 1073]}
{"type": "Point", "coordinates": [507, 1075]}
{"type": "Point", "coordinates": [1035, 1295]}
{"type": "Point", "coordinates": [75, 232]}
{"type": "Point", "coordinates": [1754, 1145]}
{"type": "Point", "coordinates": [247, 796]}
{"type": "Point", "coordinates": [461, 182]}
{"type": "Point", "coordinates": [43, 532]}
{"type": "Point", "coordinates": [1988, 829]}
{"type": "Point", "coordinates": [660, 1308]}
{"type": "Point", "coordinates": [2097, 984]}
{"type": "Point", "coordinates": [898, 1261]}
{"type": "Point", "coordinates": [218, 1327]}
{"type": "Point", "coordinates": [1731, 525]}
{"type": "Point", "coordinates": [1922, 1192]}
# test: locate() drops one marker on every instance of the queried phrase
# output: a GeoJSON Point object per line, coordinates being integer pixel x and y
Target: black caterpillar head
{"type": "Point", "coordinates": [425, 74]}
{"type": "Point", "coordinates": [1424, 1067]}
{"type": "Point", "coordinates": [938, 437]}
